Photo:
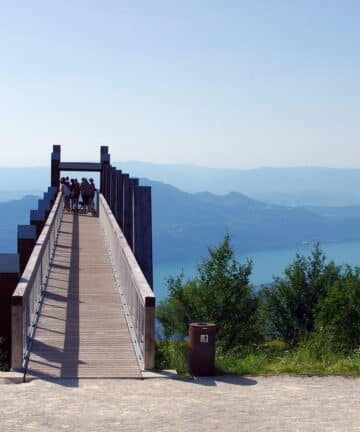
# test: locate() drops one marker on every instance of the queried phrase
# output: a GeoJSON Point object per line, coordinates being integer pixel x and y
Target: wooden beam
{"type": "Point", "coordinates": [113, 189]}
{"type": "Point", "coordinates": [26, 239]}
{"type": "Point", "coordinates": [129, 186]}
{"type": "Point", "coordinates": [55, 162]}
{"type": "Point", "coordinates": [9, 277]}
{"type": "Point", "coordinates": [80, 166]}
{"type": "Point", "coordinates": [37, 218]}
{"type": "Point", "coordinates": [119, 213]}
{"type": "Point", "coordinates": [143, 231]}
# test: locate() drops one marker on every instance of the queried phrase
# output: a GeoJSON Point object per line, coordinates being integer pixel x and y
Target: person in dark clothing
{"type": "Point", "coordinates": [75, 194]}
{"type": "Point", "coordinates": [92, 190]}
{"type": "Point", "coordinates": [85, 191]}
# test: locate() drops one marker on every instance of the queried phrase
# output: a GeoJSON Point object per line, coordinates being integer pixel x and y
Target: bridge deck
{"type": "Point", "coordinates": [82, 330]}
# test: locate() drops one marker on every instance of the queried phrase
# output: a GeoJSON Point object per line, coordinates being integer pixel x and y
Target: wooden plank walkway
{"type": "Point", "coordinates": [82, 332]}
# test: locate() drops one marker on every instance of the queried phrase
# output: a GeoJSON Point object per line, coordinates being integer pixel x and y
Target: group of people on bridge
{"type": "Point", "coordinates": [71, 191]}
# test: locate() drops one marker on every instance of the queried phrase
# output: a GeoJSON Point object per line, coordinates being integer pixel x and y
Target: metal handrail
{"type": "Point", "coordinates": [26, 299]}
{"type": "Point", "coordinates": [137, 297]}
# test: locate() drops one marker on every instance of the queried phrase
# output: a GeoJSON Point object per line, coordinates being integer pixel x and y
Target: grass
{"type": "Point", "coordinates": [3, 356]}
{"type": "Point", "coordinates": [172, 355]}
{"type": "Point", "coordinates": [272, 358]}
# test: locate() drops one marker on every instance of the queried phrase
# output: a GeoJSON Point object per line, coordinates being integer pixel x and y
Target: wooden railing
{"type": "Point", "coordinates": [26, 300]}
{"type": "Point", "coordinates": [137, 297]}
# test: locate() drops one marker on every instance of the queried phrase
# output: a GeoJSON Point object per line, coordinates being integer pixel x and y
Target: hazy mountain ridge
{"type": "Point", "coordinates": [284, 186]}
{"type": "Point", "coordinates": [185, 224]}
{"type": "Point", "coordinates": [301, 186]}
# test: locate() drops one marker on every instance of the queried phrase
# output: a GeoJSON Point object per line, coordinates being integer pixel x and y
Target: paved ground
{"type": "Point", "coordinates": [163, 404]}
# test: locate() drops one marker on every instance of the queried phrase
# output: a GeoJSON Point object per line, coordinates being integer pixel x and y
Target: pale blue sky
{"type": "Point", "coordinates": [219, 83]}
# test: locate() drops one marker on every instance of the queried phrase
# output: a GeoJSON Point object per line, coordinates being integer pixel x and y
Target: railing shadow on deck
{"type": "Point", "coordinates": [26, 302]}
{"type": "Point", "coordinates": [66, 359]}
{"type": "Point", "coordinates": [72, 330]}
{"type": "Point", "coordinates": [43, 271]}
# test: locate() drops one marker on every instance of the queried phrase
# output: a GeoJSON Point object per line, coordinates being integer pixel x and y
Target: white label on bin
{"type": "Point", "coordinates": [204, 338]}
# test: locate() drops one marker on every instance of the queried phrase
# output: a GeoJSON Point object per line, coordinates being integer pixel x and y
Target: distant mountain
{"type": "Point", "coordinates": [24, 180]}
{"type": "Point", "coordinates": [284, 186]}
{"type": "Point", "coordinates": [13, 213]}
{"type": "Point", "coordinates": [185, 224]}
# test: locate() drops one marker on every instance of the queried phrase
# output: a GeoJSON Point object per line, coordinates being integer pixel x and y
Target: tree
{"type": "Point", "coordinates": [338, 313]}
{"type": "Point", "coordinates": [289, 305]}
{"type": "Point", "coordinates": [221, 293]}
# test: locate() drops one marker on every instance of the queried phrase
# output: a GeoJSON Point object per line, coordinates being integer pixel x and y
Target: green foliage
{"type": "Point", "coordinates": [310, 317]}
{"type": "Point", "coordinates": [4, 366]}
{"type": "Point", "coordinates": [289, 305]}
{"type": "Point", "coordinates": [275, 358]}
{"type": "Point", "coordinates": [172, 355]}
{"type": "Point", "coordinates": [180, 308]}
{"type": "Point", "coordinates": [338, 315]}
{"type": "Point", "coordinates": [221, 293]}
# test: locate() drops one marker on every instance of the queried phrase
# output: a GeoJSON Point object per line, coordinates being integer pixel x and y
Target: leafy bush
{"type": "Point", "coordinates": [289, 305]}
{"type": "Point", "coordinates": [221, 293]}
{"type": "Point", "coordinates": [338, 314]}
{"type": "Point", "coordinates": [172, 355]}
{"type": "Point", "coordinates": [310, 317]}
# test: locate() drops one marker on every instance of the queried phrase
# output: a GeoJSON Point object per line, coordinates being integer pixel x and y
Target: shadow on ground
{"type": "Point", "coordinates": [203, 381]}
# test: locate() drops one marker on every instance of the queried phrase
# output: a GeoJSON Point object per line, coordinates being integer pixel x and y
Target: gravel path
{"type": "Point", "coordinates": [165, 404]}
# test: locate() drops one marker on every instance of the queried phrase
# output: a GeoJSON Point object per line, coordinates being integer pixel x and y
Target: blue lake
{"type": "Point", "coordinates": [266, 264]}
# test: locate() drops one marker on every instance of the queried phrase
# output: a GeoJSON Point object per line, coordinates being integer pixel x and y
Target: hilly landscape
{"type": "Point", "coordinates": [297, 186]}
{"type": "Point", "coordinates": [185, 224]}
{"type": "Point", "coordinates": [302, 186]}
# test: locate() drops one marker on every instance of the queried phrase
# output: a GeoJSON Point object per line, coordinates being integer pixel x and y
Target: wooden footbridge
{"type": "Point", "coordinates": [84, 305]}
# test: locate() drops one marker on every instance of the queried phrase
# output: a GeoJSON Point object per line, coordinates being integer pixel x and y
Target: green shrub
{"type": "Point", "coordinates": [289, 305]}
{"type": "Point", "coordinates": [221, 293]}
{"type": "Point", "coordinates": [172, 355]}
{"type": "Point", "coordinates": [4, 366]}
{"type": "Point", "coordinates": [338, 314]}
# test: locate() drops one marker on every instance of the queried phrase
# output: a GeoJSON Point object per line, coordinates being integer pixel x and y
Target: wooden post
{"type": "Point", "coordinates": [134, 184]}
{"type": "Point", "coordinates": [104, 155]}
{"type": "Point", "coordinates": [104, 161]}
{"type": "Point", "coordinates": [149, 349]}
{"type": "Point", "coordinates": [37, 218]}
{"type": "Point", "coordinates": [113, 189]}
{"type": "Point", "coordinates": [119, 213]}
{"type": "Point", "coordinates": [126, 204]}
{"type": "Point", "coordinates": [26, 239]}
{"type": "Point", "coordinates": [107, 183]}
{"type": "Point", "coordinates": [52, 193]}
{"type": "Point", "coordinates": [129, 186]}
{"type": "Point", "coordinates": [17, 333]}
{"type": "Point", "coordinates": [44, 205]}
{"type": "Point", "coordinates": [9, 278]}
{"type": "Point", "coordinates": [55, 163]}
{"type": "Point", "coordinates": [103, 187]}
{"type": "Point", "coordinates": [143, 231]}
